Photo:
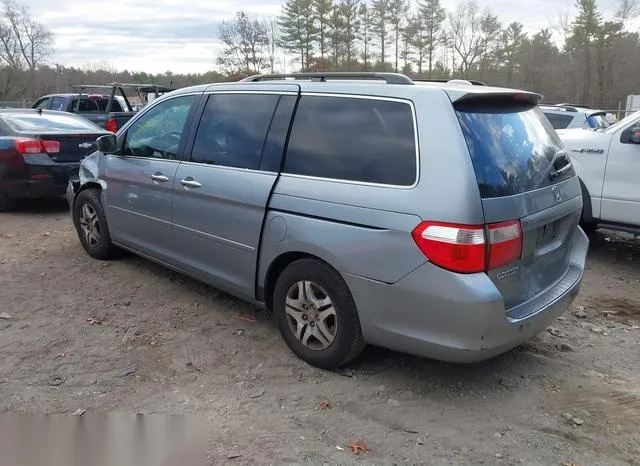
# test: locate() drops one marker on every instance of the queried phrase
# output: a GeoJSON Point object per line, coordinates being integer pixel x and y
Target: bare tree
{"type": "Point", "coordinates": [627, 9]}
{"type": "Point", "coordinates": [24, 42]}
{"type": "Point", "coordinates": [245, 39]}
{"type": "Point", "coordinates": [273, 33]}
{"type": "Point", "coordinates": [466, 34]}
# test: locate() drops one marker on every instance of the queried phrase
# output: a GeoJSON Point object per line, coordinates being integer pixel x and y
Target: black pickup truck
{"type": "Point", "coordinates": [110, 107]}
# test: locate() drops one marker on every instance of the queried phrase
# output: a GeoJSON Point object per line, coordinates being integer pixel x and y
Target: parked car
{"type": "Point", "coordinates": [108, 110]}
{"type": "Point", "coordinates": [564, 116]}
{"type": "Point", "coordinates": [439, 220]}
{"type": "Point", "coordinates": [39, 150]}
{"type": "Point", "coordinates": [608, 164]}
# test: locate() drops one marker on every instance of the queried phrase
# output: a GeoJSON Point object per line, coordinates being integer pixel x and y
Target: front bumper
{"type": "Point", "coordinates": [453, 317]}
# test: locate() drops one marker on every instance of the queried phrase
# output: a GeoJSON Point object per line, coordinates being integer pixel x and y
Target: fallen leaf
{"type": "Point", "coordinates": [257, 393]}
{"type": "Point", "coordinates": [94, 321]}
{"type": "Point", "coordinates": [127, 371]}
{"type": "Point", "coordinates": [569, 463]}
{"type": "Point", "coordinates": [6, 316]}
{"type": "Point", "coordinates": [358, 446]}
{"type": "Point", "coordinates": [325, 405]}
{"type": "Point", "coordinates": [339, 448]}
{"type": "Point", "coordinates": [56, 380]}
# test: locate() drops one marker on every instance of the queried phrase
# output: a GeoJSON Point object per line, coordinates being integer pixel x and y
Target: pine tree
{"type": "Point", "coordinates": [351, 22]}
{"type": "Point", "coordinates": [298, 29]}
{"type": "Point", "coordinates": [431, 16]}
{"type": "Point", "coordinates": [379, 26]}
{"type": "Point", "coordinates": [323, 9]}
{"type": "Point", "coordinates": [398, 10]}
{"type": "Point", "coordinates": [365, 17]}
{"type": "Point", "coordinates": [585, 28]}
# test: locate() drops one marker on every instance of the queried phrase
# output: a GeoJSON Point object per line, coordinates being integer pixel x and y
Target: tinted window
{"type": "Point", "coordinates": [36, 123]}
{"type": "Point", "coordinates": [513, 150]}
{"type": "Point", "coordinates": [233, 129]}
{"type": "Point", "coordinates": [104, 103]}
{"type": "Point", "coordinates": [353, 139]}
{"type": "Point", "coordinates": [559, 121]}
{"type": "Point", "coordinates": [59, 103]}
{"type": "Point", "coordinates": [159, 132]}
{"type": "Point", "coordinates": [85, 105]}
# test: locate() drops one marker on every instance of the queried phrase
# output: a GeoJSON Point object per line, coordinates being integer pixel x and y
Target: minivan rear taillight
{"type": "Point", "coordinates": [469, 248]}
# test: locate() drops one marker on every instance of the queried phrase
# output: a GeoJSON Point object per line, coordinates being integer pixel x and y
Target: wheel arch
{"type": "Point", "coordinates": [587, 208]}
{"type": "Point", "coordinates": [277, 266]}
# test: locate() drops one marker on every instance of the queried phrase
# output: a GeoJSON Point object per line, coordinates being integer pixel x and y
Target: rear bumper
{"type": "Point", "coordinates": [455, 317]}
{"type": "Point", "coordinates": [42, 180]}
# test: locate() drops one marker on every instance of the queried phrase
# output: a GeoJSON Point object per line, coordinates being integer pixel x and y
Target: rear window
{"type": "Point", "coordinates": [36, 123]}
{"type": "Point", "coordinates": [353, 139]}
{"type": "Point", "coordinates": [559, 121]}
{"type": "Point", "coordinates": [513, 150]}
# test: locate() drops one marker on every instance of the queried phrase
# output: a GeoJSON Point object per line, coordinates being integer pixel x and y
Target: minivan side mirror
{"type": "Point", "coordinates": [108, 144]}
{"type": "Point", "coordinates": [634, 137]}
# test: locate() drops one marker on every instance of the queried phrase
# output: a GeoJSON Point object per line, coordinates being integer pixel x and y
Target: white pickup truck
{"type": "Point", "coordinates": [608, 164]}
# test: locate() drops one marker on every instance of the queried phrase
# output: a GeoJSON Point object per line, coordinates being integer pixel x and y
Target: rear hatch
{"type": "Point", "coordinates": [524, 176]}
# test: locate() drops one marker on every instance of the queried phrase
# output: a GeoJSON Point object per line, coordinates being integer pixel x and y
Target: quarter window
{"type": "Point", "coordinates": [353, 139]}
{"type": "Point", "coordinates": [233, 129]}
{"type": "Point", "coordinates": [159, 132]}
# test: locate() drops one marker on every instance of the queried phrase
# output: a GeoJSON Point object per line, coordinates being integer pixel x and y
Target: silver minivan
{"type": "Point", "coordinates": [437, 219]}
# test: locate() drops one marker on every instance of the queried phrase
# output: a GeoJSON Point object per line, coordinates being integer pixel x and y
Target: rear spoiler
{"type": "Point", "coordinates": [495, 98]}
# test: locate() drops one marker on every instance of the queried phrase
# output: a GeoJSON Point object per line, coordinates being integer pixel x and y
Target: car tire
{"type": "Point", "coordinates": [317, 315]}
{"type": "Point", "coordinates": [91, 225]}
{"type": "Point", "coordinates": [6, 203]}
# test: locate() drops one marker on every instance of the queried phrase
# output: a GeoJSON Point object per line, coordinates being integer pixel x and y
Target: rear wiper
{"type": "Point", "coordinates": [556, 173]}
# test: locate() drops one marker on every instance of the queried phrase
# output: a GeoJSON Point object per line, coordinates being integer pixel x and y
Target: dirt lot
{"type": "Point", "coordinates": [169, 344]}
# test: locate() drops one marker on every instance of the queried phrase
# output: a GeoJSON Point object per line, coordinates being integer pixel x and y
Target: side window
{"type": "Point", "coordinates": [353, 139]}
{"type": "Point", "coordinates": [159, 132]}
{"type": "Point", "coordinates": [43, 103]}
{"type": "Point", "coordinates": [59, 103]}
{"type": "Point", "coordinates": [233, 129]}
{"type": "Point", "coordinates": [559, 121]}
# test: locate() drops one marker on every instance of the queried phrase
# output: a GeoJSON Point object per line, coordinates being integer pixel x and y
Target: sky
{"type": "Point", "coordinates": [181, 35]}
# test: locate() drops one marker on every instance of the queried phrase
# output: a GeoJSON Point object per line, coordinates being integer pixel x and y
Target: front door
{"type": "Point", "coordinates": [221, 194]}
{"type": "Point", "coordinates": [621, 190]}
{"type": "Point", "coordinates": [140, 178]}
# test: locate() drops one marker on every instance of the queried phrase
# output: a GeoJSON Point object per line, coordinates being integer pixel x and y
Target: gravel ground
{"type": "Point", "coordinates": [128, 336]}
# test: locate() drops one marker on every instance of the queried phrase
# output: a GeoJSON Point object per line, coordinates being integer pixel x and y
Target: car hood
{"type": "Point", "coordinates": [579, 140]}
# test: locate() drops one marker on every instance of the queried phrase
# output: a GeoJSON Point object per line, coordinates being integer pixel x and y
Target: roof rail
{"type": "Point", "coordinates": [453, 81]}
{"type": "Point", "coordinates": [390, 78]}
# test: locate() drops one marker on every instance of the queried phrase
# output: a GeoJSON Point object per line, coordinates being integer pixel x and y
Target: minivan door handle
{"type": "Point", "coordinates": [159, 177]}
{"type": "Point", "coordinates": [189, 182]}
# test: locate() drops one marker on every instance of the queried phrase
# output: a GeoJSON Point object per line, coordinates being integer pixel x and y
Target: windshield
{"type": "Point", "coordinates": [53, 121]}
{"type": "Point", "coordinates": [624, 122]}
{"type": "Point", "coordinates": [512, 149]}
